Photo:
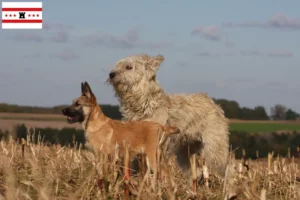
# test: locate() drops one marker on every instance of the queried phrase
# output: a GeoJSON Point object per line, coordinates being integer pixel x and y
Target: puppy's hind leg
{"type": "Point", "coordinates": [151, 162]}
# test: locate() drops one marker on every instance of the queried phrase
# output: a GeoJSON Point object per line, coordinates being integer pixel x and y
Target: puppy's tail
{"type": "Point", "coordinates": [170, 130]}
{"type": "Point", "coordinates": [166, 132]}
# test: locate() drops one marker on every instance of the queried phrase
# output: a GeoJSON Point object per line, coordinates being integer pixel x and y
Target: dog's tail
{"type": "Point", "coordinates": [170, 130]}
{"type": "Point", "coordinates": [166, 132]}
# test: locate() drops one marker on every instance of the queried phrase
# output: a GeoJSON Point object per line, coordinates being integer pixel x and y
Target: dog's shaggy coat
{"type": "Point", "coordinates": [203, 126]}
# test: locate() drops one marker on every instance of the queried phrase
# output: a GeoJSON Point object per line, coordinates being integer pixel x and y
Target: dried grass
{"type": "Point", "coordinates": [55, 172]}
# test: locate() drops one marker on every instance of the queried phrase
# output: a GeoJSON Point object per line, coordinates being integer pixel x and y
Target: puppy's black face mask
{"type": "Point", "coordinates": [76, 112]}
{"type": "Point", "coordinates": [73, 115]}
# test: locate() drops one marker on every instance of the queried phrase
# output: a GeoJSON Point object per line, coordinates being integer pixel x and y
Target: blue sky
{"type": "Point", "coordinates": [246, 51]}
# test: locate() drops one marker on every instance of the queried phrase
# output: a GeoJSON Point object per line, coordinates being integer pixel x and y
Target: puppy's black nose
{"type": "Point", "coordinates": [112, 75]}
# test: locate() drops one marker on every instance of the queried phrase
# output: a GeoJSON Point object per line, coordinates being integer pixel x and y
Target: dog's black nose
{"type": "Point", "coordinates": [112, 75]}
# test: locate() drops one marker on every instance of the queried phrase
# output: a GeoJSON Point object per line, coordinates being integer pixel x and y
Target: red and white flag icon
{"type": "Point", "coordinates": [22, 15]}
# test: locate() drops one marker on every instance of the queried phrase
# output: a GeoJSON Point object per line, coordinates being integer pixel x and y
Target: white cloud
{"type": "Point", "coordinates": [209, 32]}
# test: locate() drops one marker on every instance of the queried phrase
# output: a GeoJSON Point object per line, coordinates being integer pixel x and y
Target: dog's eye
{"type": "Point", "coordinates": [128, 67]}
{"type": "Point", "coordinates": [77, 104]}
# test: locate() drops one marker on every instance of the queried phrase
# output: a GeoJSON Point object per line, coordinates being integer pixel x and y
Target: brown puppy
{"type": "Point", "coordinates": [103, 132]}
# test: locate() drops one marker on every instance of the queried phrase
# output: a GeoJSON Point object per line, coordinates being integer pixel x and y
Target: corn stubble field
{"type": "Point", "coordinates": [38, 171]}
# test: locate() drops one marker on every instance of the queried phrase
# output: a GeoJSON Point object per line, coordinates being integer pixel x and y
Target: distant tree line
{"type": "Point", "coordinates": [231, 108]}
{"type": "Point", "coordinates": [110, 110]}
{"type": "Point", "coordinates": [255, 144]}
{"type": "Point", "coordinates": [233, 111]}
{"type": "Point", "coordinates": [280, 112]}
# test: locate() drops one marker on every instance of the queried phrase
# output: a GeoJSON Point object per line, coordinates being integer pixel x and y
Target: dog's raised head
{"type": "Point", "coordinates": [82, 106]}
{"type": "Point", "coordinates": [134, 70]}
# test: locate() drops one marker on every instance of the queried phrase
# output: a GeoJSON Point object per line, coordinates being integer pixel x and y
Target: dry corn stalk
{"type": "Point", "coordinates": [3, 147]}
{"type": "Point", "coordinates": [172, 186]}
{"type": "Point", "coordinates": [270, 157]}
{"type": "Point", "coordinates": [244, 153]}
{"type": "Point", "coordinates": [126, 172]}
{"type": "Point", "coordinates": [116, 162]}
{"type": "Point", "coordinates": [141, 187]}
{"type": "Point", "coordinates": [157, 171]}
{"type": "Point", "coordinates": [28, 137]}
{"type": "Point", "coordinates": [33, 136]}
{"type": "Point", "coordinates": [39, 139]}
{"type": "Point", "coordinates": [240, 168]}
{"type": "Point", "coordinates": [263, 194]}
{"type": "Point", "coordinates": [101, 174]}
{"type": "Point", "coordinates": [157, 174]}
{"type": "Point", "coordinates": [23, 146]}
{"type": "Point", "coordinates": [205, 173]}
{"type": "Point", "coordinates": [284, 165]}
{"type": "Point", "coordinates": [73, 140]}
{"type": "Point", "coordinates": [194, 171]}
{"type": "Point", "coordinates": [241, 164]}
{"type": "Point", "coordinates": [275, 164]}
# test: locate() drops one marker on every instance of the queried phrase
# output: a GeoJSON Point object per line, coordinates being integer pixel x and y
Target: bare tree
{"type": "Point", "coordinates": [278, 112]}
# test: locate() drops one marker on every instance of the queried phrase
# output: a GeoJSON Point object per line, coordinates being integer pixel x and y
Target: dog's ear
{"type": "Point", "coordinates": [82, 90]}
{"type": "Point", "coordinates": [155, 61]}
{"type": "Point", "coordinates": [87, 91]}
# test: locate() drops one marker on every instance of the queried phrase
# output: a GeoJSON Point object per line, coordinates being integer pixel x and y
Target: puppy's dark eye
{"type": "Point", "coordinates": [128, 67]}
{"type": "Point", "coordinates": [77, 104]}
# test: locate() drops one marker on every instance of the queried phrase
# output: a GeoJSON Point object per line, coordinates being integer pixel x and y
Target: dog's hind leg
{"type": "Point", "coordinates": [151, 162]}
{"type": "Point", "coordinates": [216, 149]}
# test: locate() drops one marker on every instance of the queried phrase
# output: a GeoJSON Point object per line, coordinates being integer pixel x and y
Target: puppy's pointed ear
{"type": "Point", "coordinates": [155, 61]}
{"type": "Point", "coordinates": [87, 91]}
{"type": "Point", "coordinates": [82, 90]}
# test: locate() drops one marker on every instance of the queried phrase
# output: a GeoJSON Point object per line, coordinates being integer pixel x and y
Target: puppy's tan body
{"type": "Point", "coordinates": [104, 134]}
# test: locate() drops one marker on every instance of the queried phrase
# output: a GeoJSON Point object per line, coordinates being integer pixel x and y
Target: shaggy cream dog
{"type": "Point", "coordinates": [202, 124]}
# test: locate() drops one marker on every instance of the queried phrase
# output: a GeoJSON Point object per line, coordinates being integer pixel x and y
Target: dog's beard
{"type": "Point", "coordinates": [115, 81]}
{"type": "Point", "coordinates": [109, 81]}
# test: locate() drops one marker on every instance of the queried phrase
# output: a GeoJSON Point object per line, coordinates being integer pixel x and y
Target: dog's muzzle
{"type": "Point", "coordinates": [64, 111]}
{"type": "Point", "coordinates": [73, 115]}
{"type": "Point", "coordinates": [112, 75]}
{"type": "Point", "coordinates": [70, 115]}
